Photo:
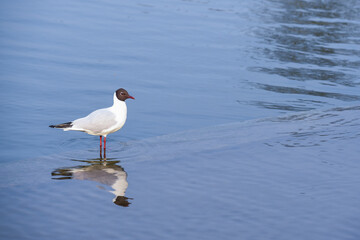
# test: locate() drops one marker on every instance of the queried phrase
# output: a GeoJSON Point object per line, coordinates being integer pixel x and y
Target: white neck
{"type": "Point", "coordinates": [120, 110]}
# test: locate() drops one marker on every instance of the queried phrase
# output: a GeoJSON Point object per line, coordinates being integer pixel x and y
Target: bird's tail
{"type": "Point", "coordinates": [63, 125]}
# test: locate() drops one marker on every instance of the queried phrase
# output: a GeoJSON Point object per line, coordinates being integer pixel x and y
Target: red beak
{"type": "Point", "coordinates": [131, 97]}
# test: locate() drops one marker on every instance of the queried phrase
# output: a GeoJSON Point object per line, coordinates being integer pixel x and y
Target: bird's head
{"type": "Point", "coordinates": [122, 94]}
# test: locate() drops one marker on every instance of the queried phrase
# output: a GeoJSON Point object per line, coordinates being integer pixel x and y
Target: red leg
{"type": "Point", "coordinates": [105, 148]}
{"type": "Point", "coordinates": [100, 147]}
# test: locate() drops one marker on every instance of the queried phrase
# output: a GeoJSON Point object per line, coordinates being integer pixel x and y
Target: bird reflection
{"type": "Point", "coordinates": [104, 172]}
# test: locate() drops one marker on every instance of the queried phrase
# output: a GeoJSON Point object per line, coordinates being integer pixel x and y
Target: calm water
{"type": "Point", "coordinates": [245, 124]}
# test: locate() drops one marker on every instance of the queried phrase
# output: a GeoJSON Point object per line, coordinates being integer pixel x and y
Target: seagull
{"type": "Point", "coordinates": [103, 121]}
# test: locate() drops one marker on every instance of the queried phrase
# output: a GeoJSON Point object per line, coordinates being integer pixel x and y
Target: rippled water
{"type": "Point", "coordinates": [293, 176]}
{"type": "Point", "coordinates": [245, 123]}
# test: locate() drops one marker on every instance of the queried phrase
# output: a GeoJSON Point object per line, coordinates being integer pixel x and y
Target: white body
{"type": "Point", "coordinates": [103, 121]}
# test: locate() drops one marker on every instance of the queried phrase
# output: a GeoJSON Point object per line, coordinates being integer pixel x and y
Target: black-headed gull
{"type": "Point", "coordinates": [103, 121]}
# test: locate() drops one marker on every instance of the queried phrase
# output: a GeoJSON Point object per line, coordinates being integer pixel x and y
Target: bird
{"type": "Point", "coordinates": [103, 121]}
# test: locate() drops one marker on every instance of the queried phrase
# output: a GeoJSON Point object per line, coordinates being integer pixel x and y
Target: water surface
{"type": "Point", "coordinates": [245, 123]}
{"type": "Point", "coordinates": [293, 176]}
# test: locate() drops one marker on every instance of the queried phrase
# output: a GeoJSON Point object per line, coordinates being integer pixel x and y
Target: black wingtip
{"type": "Point", "coordinates": [63, 125]}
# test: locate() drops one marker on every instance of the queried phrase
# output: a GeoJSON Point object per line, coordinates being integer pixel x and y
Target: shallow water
{"type": "Point", "coordinates": [245, 123]}
{"type": "Point", "coordinates": [293, 176]}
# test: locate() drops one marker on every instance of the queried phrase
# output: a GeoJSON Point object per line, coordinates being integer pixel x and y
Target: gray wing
{"type": "Point", "coordinates": [95, 122]}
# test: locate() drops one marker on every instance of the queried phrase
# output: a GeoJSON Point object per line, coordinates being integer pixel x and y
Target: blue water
{"type": "Point", "coordinates": [245, 121]}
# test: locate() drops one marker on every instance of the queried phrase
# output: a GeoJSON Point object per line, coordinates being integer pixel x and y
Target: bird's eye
{"type": "Point", "coordinates": [122, 93]}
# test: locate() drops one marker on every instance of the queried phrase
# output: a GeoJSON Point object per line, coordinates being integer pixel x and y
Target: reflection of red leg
{"type": "Point", "coordinates": [100, 146]}
{"type": "Point", "coordinates": [105, 147]}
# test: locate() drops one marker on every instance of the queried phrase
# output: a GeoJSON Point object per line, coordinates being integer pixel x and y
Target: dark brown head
{"type": "Point", "coordinates": [122, 94]}
{"type": "Point", "coordinates": [122, 201]}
